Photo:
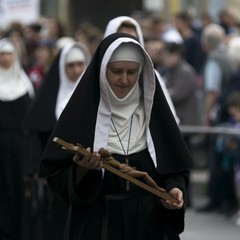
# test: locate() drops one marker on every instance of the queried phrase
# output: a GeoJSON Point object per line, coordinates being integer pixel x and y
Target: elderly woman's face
{"type": "Point", "coordinates": [122, 76]}
{"type": "Point", "coordinates": [6, 59]}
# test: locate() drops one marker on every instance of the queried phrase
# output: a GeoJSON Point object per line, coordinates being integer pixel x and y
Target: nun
{"type": "Point", "coordinates": [16, 94]}
{"type": "Point", "coordinates": [126, 24]}
{"type": "Point", "coordinates": [58, 85]}
{"type": "Point", "coordinates": [119, 105]}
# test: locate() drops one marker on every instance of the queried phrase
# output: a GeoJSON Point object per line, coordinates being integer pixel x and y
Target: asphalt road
{"type": "Point", "coordinates": [206, 226]}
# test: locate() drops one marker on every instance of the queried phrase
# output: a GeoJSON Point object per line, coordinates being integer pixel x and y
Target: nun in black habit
{"type": "Point", "coordinates": [56, 90]}
{"type": "Point", "coordinates": [16, 94]}
{"type": "Point", "coordinates": [125, 112]}
{"type": "Point", "coordinates": [58, 85]}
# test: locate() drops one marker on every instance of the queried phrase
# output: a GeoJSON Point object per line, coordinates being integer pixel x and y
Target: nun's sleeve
{"type": "Point", "coordinates": [64, 185]}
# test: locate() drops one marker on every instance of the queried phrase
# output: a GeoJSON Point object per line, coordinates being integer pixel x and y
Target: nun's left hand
{"type": "Point", "coordinates": [177, 194]}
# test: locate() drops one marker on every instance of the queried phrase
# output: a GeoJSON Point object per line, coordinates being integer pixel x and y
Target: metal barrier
{"type": "Point", "coordinates": [210, 130]}
{"type": "Point", "coordinates": [199, 144]}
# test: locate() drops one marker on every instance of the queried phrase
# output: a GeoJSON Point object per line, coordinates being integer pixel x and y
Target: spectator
{"type": "Point", "coordinates": [192, 48]}
{"type": "Point", "coordinates": [233, 50]}
{"type": "Point", "coordinates": [217, 74]}
{"type": "Point", "coordinates": [90, 35]}
{"type": "Point", "coordinates": [181, 84]}
{"type": "Point", "coordinates": [217, 70]}
{"type": "Point", "coordinates": [32, 37]}
{"type": "Point", "coordinates": [228, 159]}
{"type": "Point", "coordinates": [44, 56]}
{"type": "Point", "coordinates": [228, 20]}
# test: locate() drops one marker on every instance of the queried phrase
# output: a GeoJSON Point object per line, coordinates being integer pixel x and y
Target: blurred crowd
{"type": "Point", "coordinates": [196, 58]}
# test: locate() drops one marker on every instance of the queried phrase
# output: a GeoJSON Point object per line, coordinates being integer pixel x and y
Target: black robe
{"type": "Point", "coordinates": [48, 218]}
{"type": "Point", "coordinates": [87, 200]}
{"type": "Point", "coordinates": [13, 141]}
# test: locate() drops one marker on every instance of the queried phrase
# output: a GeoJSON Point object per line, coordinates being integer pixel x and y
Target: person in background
{"type": "Point", "coordinates": [16, 33]}
{"type": "Point", "coordinates": [228, 20]}
{"type": "Point", "coordinates": [228, 158]}
{"type": "Point", "coordinates": [217, 75]}
{"type": "Point", "coordinates": [181, 84]}
{"type": "Point", "coordinates": [16, 94]}
{"type": "Point", "coordinates": [224, 154]}
{"type": "Point", "coordinates": [233, 49]}
{"type": "Point", "coordinates": [130, 26]}
{"type": "Point", "coordinates": [62, 42]}
{"type": "Point", "coordinates": [58, 85]}
{"type": "Point", "coordinates": [182, 87]}
{"type": "Point", "coordinates": [130, 117]}
{"type": "Point", "coordinates": [217, 70]}
{"type": "Point", "coordinates": [234, 111]}
{"type": "Point", "coordinates": [90, 35]}
{"type": "Point", "coordinates": [124, 24]}
{"type": "Point", "coordinates": [192, 48]}
{"type": "Point", "coordinates": [164, 30]}
{"type": "Point", "coordinates": [52, 29]}
{"type": "Point", "coordinates": [154, 48]}
{"type": "Point", "coordinates": [44, 56]}
{"type": "Point", "coordinates": [32, 37]}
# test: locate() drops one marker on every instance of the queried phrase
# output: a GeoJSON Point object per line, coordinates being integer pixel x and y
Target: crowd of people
{"type": "Point", "coordinates": [182, 72]}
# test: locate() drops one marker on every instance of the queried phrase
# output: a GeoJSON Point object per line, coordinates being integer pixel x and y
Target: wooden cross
{"type": "Point", "coordinates": [120, 169]}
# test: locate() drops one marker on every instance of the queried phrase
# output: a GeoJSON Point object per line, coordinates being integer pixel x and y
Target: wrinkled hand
{"type": "Point", "coordinates": [177, 194]}
{"type": "Point", "coordinates": [94, 162]}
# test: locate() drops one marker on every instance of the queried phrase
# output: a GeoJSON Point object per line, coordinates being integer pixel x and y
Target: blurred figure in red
{"type": "Point", "coordinates": [44, 56]}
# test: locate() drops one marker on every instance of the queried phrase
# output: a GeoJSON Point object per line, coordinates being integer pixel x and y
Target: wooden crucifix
{"type": "Point", "coordinates": [120, 169]}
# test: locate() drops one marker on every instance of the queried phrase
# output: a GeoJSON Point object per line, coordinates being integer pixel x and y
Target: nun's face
{"type": "Point", "coordinates": [74, 70]}
{"type": "Point", "coordinates": [122, 76]}
{"type": "Point", "coordinates": [6, 59]}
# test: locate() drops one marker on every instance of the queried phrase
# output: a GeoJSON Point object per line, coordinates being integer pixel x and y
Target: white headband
{"type": "Point", "coordinates": [7, 47]}
{"type": "Point", "coordinates": [128, 52]}
{"type": "Point", "coordinates": [75, 55]}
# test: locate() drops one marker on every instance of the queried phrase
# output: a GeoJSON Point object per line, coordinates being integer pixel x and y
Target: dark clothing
{"type": "Point", "coordinates": [51, 212]}
{"type": "Point", "coordinates": [232, 86]}
{"type": "Point", "coordinates": [12, 153]}
{"type": "Point", "coordinates": [194, 53]}
{"type": "Point", "coordinates": [41, 117]}
{"type": "Point", "coordinates": [228, 161]}
{"type": "Point", "coordinates": [103, 207]}
{"type": "Point", "coordinates": [181, 81]}
{"type": "Point", "coordinates": [87, 199]}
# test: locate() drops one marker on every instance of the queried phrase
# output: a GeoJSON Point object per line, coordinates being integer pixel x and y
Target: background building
{"type": "Point", "coordinates": [74, 12]}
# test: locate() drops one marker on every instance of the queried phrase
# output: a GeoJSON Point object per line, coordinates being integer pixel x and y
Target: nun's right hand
{"type": "Point", "coordinates": [94, 162]}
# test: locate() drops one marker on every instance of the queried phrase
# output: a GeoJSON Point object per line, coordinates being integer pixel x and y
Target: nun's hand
{"type": "Point", "coordinates": [94, 162]}
{"type": "Point", "coordinates": [177, 194]}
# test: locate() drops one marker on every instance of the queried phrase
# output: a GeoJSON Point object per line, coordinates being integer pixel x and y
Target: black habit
{"type": "Point", "coordinates": [40, 121]}
{"type": "Point", "coordinates": [99, 207]}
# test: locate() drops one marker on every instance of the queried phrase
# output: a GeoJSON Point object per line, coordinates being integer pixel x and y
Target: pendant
{"type": "Point", "coordinates": [127, 182]}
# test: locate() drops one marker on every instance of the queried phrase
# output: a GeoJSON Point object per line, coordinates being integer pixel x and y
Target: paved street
{"type": "Point", "coordinates": [206, 226]}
